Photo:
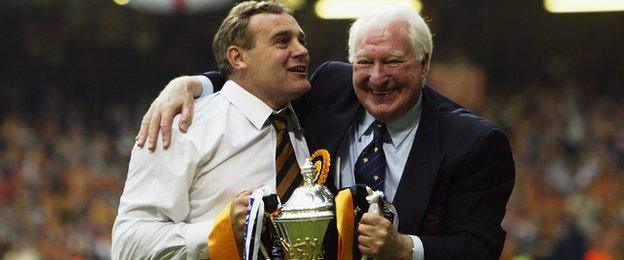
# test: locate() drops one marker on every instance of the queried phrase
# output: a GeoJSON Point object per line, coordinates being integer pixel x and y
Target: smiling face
{"type": "Point", "coordinates": [387, 74]}
{"type": "Point", "coordinates": [276, 66]}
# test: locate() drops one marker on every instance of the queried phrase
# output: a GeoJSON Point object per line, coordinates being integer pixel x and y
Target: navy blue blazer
{"type": "Point", "coordinates": [458, 176]}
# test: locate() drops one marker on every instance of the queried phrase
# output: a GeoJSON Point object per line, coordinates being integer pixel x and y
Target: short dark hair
{"type": "Point", "coordinates": [233, 29]}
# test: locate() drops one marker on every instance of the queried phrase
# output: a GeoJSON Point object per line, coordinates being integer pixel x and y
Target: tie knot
{"type": "Point", "coordinates": [379, 129]}
{"type": "Point", "coordinates": [280, 120]}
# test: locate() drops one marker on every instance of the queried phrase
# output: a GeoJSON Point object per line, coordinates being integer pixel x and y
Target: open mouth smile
{"type": "Point", "coordinates": [298, 69]}
{"type": "Point", "coordinates": [382, 92]}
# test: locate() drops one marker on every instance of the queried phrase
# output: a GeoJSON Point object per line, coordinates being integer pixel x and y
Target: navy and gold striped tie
{"type": "Point", "coordinates": [286, 166]}
{"type": "Point", "coordinates": [370, 167]}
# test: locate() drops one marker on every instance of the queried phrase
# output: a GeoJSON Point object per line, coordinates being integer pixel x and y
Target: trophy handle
{"type": "Point", "coordinates": [323, 170]}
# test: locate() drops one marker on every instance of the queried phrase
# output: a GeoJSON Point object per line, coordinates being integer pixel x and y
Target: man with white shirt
{"type": "Point", "coordinates": [448, 172]}
{"type": "Point", "coordinates": [243, 137]}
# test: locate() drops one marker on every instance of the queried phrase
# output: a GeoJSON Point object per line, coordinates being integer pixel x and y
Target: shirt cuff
{"type": "Point", "coordinates": [207, 87]}
{"type": "Point", "coordinates": [197, 239]}
{"type": "Point", "coordinates": [418, 251]}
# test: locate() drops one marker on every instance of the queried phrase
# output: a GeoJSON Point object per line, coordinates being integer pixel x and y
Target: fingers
{"type": "Point", "coordinates": [396, 247]}
{"type": "Point", "coordinates": [375, 232]}
{"type": "Point", "coordinates": [187, 114]}
{"type": "Point", "coordinates": [165, 127]}
{"type": "Point", "coordinates": [366, 246]}
{"type": "Point", "coordinates": [176, 97]}
{"type": "Point", "coordinates": [238, 212]}
{"type": "Point", "coordinates": [245, 193]}
{"type": "Point", "coordinates": [371, 245]}
{"type": "Point", "coordinates": [373, 219]}
{"type": "Point", "coordinates": [378, 231]}
{"type": "Point", "coordinates": [366, 241]}
{"type": "Point", "coordinates": [152, 133]}
{"type": "Point", "coordinates": [142, 135]}
{"type": "Point", "coordinates": [367, 251]}
{"type": "Point", "coordinates": [239, 207]}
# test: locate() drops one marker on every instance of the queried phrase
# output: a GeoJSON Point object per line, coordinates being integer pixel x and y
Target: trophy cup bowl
{"type": "Point", "coordinates": [304, 218]}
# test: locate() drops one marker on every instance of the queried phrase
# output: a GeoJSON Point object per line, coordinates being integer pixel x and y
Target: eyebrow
{"type": "Point", "coordinates": [395, 54]}
{"type": "Point", "coordinates": [287, 33]}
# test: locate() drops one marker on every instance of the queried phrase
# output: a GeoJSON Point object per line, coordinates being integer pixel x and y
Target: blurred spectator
{"type": "Point", "coordinates": [566, 201]}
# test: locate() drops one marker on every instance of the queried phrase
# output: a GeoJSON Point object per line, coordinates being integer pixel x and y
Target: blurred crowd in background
{"type": "Point", "coordinates": [73, 91]}
{"type": "Point", "coordinates": [568, 147]}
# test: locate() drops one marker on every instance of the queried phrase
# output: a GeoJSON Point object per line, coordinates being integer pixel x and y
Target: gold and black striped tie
{"type": "Point", "coordinates": [288, 176]}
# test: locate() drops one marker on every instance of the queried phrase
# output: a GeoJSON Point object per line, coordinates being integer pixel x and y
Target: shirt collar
{"type": "Point", "coordinates": [254, 109]}
{"type": "Point", "coordinates": [398, 129]}
{"type": "Point", "coordinates": [250, 106]}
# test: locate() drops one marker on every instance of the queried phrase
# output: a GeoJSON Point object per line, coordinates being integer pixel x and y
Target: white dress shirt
{"type": "Point", "coordinates": [402, 132]}
{"type": "Point", "coordinates": [172, 196]}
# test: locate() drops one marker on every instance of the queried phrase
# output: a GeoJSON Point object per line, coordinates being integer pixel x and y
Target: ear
{"type": "Point", "coordinates": [236, 57]}
{"type": "Point", "coordinates": [424, 63]}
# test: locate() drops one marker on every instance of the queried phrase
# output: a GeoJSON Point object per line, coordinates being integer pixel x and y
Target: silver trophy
{"type": "Point", "coordinates": [303, 220]}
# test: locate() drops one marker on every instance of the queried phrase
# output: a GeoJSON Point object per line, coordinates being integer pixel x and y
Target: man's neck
{"type": "Point", "coordinates": [257, 92]}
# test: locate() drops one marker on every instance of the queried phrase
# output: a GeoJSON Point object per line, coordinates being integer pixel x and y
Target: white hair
{"type": "Point", "coordinates": [418, 31]}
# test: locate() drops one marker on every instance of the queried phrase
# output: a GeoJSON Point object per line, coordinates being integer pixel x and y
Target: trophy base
{"type": "Point", "coordinates": [304, 239]}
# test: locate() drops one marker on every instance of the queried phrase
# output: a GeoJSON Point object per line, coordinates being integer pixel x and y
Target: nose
{"type": "Point", "coordinates": [299, 50]}
{"type": "Point", "coordinates": [378, 75]}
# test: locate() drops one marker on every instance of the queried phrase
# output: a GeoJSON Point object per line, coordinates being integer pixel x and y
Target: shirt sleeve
{"type": "Point", "coordinates": [207, 87]}
{"type": "Point", "coordinates": [418, 252]}
{"type": "Point", "coordinates": [153, 216]}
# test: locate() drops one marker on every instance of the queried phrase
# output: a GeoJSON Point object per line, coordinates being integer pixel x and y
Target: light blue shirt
{"type": "Point", "coordinates": [397, 145]}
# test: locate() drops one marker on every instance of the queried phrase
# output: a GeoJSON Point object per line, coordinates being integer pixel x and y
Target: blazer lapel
{"type": "Point", "coordinates": [419, 174]}
{"type": "Point", "coordinates": [330, 134]}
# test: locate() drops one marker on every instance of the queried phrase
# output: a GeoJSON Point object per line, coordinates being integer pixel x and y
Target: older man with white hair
{"type": "Point", "coordinates": [448, 172]}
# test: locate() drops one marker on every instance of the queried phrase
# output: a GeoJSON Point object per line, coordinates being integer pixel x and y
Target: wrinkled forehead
{"type": "Point", "coordinates": [377, 28]}
{"type": "Point", "coordinates": [394, 33]}
{"type": "Point", "coordinates": [268, 24]}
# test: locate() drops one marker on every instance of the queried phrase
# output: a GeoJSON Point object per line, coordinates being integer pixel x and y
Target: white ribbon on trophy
{"type": "Point", "coordinates": [254, 221]}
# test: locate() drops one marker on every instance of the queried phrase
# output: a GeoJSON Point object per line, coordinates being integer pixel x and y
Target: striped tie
{"type": "Point", "coordinates": [288, 172]}
{"type": "Point", "coordinates": [370, 167]}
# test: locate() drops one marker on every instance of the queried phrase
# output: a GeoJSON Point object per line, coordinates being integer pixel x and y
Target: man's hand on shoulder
{"type": "Point", "coordinates": [177, 96]}
{"type": "Point", "coordinates": [380, 240]}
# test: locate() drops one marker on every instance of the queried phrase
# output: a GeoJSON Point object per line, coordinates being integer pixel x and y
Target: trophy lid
{"type": "Point", "coordinates": [310, 200]}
